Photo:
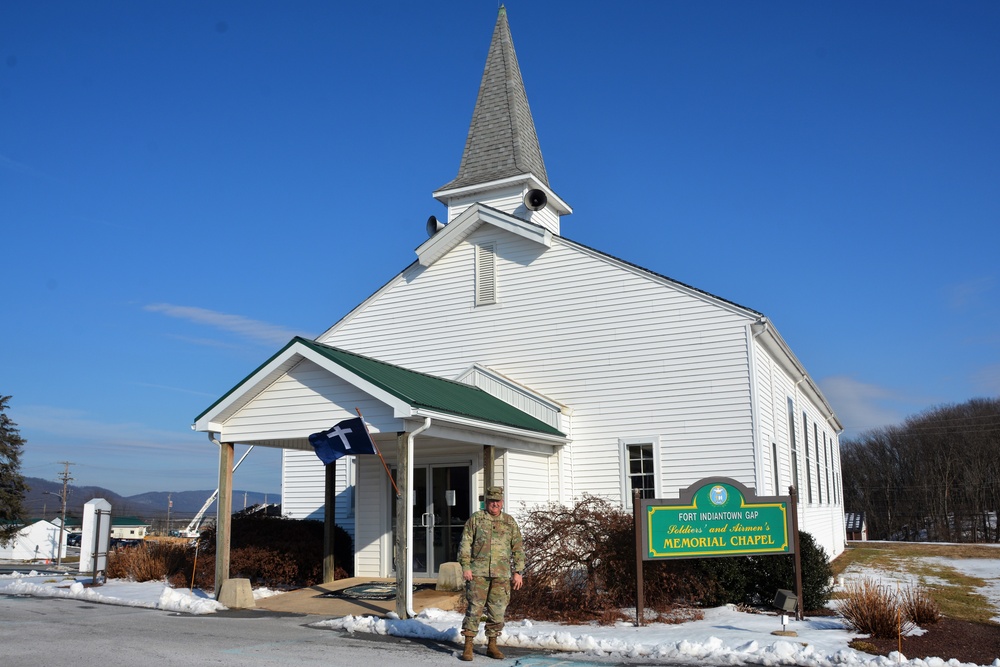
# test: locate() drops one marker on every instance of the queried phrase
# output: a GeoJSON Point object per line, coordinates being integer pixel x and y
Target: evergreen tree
{"type": "Point", "coordinates": [12, 486]}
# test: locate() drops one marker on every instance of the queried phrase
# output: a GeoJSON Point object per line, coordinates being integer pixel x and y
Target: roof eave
{"type": "Point", "coordinates": [776, 345]}
{"type": "Point", "coordinates": [297, 349]}
{"type": "Point", "coordinates": [447, 194]}
{"type": "Point", "coordinates": [468, 422]}
{"type": "Point", "coordinates": [461, 227]}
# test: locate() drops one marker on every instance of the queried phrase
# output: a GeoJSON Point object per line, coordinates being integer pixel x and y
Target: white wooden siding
{"type": "Point", "coordinates": [514, 395]}
{"type": "Point", "coordinates": [509, 200]}
{"type": "Point", "coordinates": [307, 399]}
{"type": "Point", "coordinates": [824, 521]}
{"type": "Point", "coordinates": [372, 551]}
{"type": "Point", "coordinates": [630, 354]}
{"type": "Point", "coordinates": [527, 481]}
{"type": "Point", "coordinates": [302, 474]}
{"type": "Point", "coordinates": [303, 478]}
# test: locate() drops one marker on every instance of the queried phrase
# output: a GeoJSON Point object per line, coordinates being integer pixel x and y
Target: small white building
{"type": "Point", "coordinates": [36, 541]}
{"type": "Point", "coordinates": [128, 528]}
{"type": "Point", "coordinates": [508, 354]}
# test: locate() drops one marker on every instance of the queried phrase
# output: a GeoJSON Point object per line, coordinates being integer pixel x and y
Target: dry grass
{"type": "Point", "coordinates": [871, 608]}
{"type": "Point", "coordinates": [918, 605]}
{"type": "Point", "coordinates": [146, 561]}
{"type": "Point", "coordinates": [955, 594]}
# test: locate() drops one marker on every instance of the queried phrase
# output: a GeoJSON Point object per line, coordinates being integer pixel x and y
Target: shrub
{"type": "Point", "coordinates": [573, 561]}
{"type": "Point", "coordinates": [280, 551]}
{"type": "Point", "coordinates": [918, 606]}
{"type": "Point", "coordinates": [269, 551]}
{"type": "Point", "coordinates": [754, 580]}
{"type": "Point", "coordinates": [872, 608]}
{"type": "Point", "coordinates": [581, 566]}
{"type": "Point", "coordinates": [147, 561]}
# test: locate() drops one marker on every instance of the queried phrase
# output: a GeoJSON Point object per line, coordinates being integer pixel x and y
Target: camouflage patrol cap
{"type": "Point", "coordinates": [494, 493]}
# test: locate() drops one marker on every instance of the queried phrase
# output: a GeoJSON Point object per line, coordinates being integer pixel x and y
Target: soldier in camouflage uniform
{"type": "Point", "coordinates": [490, 550]}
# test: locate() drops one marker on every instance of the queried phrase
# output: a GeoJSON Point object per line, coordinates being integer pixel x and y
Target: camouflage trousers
{"type": "Point", "coordinates": [491, 594]}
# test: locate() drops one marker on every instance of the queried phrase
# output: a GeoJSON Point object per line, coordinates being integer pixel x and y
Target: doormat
{"type": "Point", "coordinates": [374, 590]}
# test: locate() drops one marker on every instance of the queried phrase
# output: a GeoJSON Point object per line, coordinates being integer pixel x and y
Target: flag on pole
{"type": "Point", "coordinates": [346, 438]}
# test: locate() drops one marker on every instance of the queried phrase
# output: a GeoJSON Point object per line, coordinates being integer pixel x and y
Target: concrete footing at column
{"type": "Point", "coordinates": [237, 594]}
{"type": "Point", "coordinates": [450, 577]}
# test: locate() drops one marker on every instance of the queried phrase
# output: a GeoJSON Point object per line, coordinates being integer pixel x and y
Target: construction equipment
{"type": "Point", "coordinates": [192, 528]}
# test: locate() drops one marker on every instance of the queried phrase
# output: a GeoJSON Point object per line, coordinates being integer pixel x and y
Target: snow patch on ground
{"type": "Point", "coordinates": [725, 636]}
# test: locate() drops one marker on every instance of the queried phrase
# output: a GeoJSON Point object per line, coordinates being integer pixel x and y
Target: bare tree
{"type": "Point", "coordinates": [935, 477]}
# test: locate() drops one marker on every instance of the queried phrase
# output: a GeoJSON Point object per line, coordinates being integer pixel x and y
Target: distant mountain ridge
{"type": "Point", "coordinates": [43, 500]}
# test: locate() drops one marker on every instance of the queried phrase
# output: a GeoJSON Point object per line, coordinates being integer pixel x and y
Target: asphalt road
{"type": "Point", "coordinates": [55, 632]}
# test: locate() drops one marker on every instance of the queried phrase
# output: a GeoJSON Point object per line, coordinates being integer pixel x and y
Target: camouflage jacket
{"type": "Point", "coordinates": [491, 546]}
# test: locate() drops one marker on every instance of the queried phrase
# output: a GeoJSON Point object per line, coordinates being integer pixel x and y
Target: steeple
{"type": "Point", "coordinates": [502, 160]}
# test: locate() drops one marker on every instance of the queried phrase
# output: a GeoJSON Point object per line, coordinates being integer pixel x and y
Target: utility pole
{"type": "Point", "coordinates": [66, 479]}
{"type": "Point", "coordinates": [170, 503]}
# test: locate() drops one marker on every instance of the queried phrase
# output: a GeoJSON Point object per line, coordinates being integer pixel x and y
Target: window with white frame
{"type": "Point", "coordinates": [351, 473]}
{"type": "Point", "coordinates": [640, 465]}
{"type": "Point", "coordinates": [805, 437]}
{"type": "Point", "coordinates": [793, 447]}
{"type": "Point", "coordinates": [826, 468]}
{"type": "Point", "coordinates": [775, 469]}
{"type": "Point", "coordinates": [819, 472]}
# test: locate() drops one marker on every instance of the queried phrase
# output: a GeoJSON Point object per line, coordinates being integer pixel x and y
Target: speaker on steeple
{"type": "Point", "coordinates": [434, 226]}
{"type": "Point", "coordinates": [535, 200]}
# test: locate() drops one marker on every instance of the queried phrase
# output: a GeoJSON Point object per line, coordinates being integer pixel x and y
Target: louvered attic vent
{"type": "Point", "coordinates": [486, 274]}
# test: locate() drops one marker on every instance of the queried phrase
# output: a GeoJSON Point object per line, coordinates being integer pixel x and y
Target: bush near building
{"type": "Point", "coordinates": [581, 566]}
{"type": "Point", "coordinates": [269, 551]}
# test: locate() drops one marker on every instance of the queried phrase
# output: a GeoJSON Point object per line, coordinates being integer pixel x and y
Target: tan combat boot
{"type": "Point", "coordinates": [492, 650]}
{"type": "Point", "coordinates": [467, 654]}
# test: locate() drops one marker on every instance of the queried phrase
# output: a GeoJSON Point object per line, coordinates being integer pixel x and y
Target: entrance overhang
{"type": "Point", "coordinates": [307, 386]}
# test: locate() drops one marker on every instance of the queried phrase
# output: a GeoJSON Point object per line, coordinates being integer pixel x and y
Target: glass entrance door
{"type": "Point", "coordinates": [442, 504]}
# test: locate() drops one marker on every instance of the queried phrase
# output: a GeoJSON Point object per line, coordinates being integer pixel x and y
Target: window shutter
{"type": "Point", "coordinates": [486, 274]}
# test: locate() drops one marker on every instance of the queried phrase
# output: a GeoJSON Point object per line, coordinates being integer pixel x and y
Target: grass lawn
{"type": "Point", "coordinates": [954, 591]}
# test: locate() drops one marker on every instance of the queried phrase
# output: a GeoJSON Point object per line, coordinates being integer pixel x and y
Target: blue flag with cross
{"type": "Point", "coordinates": [346, 438]}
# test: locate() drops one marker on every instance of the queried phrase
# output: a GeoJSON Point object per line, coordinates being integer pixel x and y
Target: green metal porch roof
{"type": "Point", "coordinates": [420, 390]}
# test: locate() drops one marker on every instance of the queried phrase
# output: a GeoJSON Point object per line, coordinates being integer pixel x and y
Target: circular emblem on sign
{"type": "Point", "coordinates": [718, 495]}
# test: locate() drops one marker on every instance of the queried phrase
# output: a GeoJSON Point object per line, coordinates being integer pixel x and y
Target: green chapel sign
{"type": "Point", "coordinates": [715, 517]}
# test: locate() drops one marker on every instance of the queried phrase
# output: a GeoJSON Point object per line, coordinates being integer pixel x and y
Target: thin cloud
{"type": "Point", "coordinates": [862, 406]}
{"type": "Point", "coordinates": [20, 168]}
{"type": "Point", "coordinates": [987, 380]}
{"type": "Point", "coordinates": [45, 425]}
{"type": "Point", "coordinates": [179, 390]}
{"type": "Point", "coordinates": [254, 330]}
{"type": "Point", "coordinates": [206, 342]}
{"type": "Point", "coordinates": [968, 294]}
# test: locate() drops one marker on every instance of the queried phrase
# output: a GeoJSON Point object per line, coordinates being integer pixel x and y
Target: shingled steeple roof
{"type": "Point", "coordinates": [502, 140]}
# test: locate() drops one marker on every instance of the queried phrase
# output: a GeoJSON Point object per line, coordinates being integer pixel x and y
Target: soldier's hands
{"type": "Point", "coordinates": [467, 575]}
{"type": "Point", "coordinates": [517, 581]}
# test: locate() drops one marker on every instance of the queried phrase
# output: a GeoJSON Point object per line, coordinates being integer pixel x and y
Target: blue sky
{"type": "Point", "coordinates": [184, 186]}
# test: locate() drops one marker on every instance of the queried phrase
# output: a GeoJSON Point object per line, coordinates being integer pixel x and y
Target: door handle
{"type": "Point", "coordinates": [426, 522]}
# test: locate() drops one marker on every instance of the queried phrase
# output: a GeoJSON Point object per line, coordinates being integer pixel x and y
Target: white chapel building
{"type": "Point", "coordinates": [508, 354]}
